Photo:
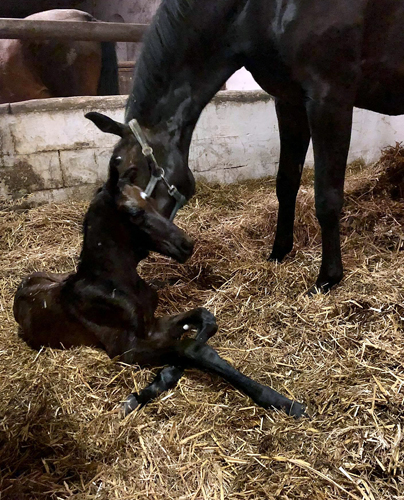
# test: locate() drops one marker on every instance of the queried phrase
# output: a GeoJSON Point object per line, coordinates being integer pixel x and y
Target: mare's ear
{"type": "Point", "coordinates": [107, 124]}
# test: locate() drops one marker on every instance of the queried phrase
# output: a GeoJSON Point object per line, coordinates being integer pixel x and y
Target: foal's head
{"type": "Point", "coordinates": [166, 152]}
{"type": "Point", "coordinates": [149, 230]}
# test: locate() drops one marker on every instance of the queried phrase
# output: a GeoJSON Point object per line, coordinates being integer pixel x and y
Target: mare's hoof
{"type": "Point", "coordinates": [279, 252]}
{"type": "Point", "coordinates": [130, 404]}
{"type": "Point", "coordinates": [275, 258]}
{"type": "Point", "coordinates": [297, 410]}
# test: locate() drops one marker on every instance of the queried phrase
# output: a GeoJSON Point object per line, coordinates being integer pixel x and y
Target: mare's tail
{"type": "Point", "coordinates": [109, 78]}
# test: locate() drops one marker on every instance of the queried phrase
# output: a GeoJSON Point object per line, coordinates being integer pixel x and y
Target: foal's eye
{"type": "Point", "coordinates": [116, 161]}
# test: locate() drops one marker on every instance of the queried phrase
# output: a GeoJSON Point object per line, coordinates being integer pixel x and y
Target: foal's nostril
{"type": "Point", "coordinates": [187, 246]}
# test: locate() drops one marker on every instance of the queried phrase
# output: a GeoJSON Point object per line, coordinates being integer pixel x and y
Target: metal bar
{"type": "Point", "coordinates": [71, 30]}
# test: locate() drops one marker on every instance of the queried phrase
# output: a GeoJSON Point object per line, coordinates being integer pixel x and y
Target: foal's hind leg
{"type": "Point", "coordinates": [295, 137]}
{"type": "Point", "coordinates": [167, 378]}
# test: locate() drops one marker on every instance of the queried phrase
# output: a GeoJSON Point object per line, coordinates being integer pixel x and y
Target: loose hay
{"type": "Point", "coordinates": [61, 435]}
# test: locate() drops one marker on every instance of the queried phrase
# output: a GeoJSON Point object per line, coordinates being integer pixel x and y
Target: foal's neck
{"type": "Point", "coordinates": [109, 250]}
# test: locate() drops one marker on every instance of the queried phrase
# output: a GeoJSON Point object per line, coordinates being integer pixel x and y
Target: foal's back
{"type": "Point", "coordinates": [43, 315]}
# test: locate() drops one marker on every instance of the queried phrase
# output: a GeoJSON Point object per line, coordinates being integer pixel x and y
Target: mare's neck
{"type": "Point", "coordinates": [188, 54]}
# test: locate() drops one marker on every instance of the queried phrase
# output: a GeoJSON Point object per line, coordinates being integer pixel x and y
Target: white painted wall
{"type": "Point", "coordinates": [50, 151]}
{"type": "Point", "coordinates": [242, 80]}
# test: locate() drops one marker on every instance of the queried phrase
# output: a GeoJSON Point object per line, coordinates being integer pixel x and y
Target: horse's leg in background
{"type": "Point", "coordinates": [86, 69]}
{"type": "Point", "coordinates": [294, 135]}
{"type": "Point", "coordinates": [95, 69]}
{"type": "Point", "coordinates": [108, 83]}
{"type": "Point", "coordinates": [81, 69]}
{"type": "Point", "coordinates": [168, 377]}
{"type": "Point", "coordinates": [330, 124]}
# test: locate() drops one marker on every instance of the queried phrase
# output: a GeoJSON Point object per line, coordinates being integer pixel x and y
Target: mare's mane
{"type": "Point", "coordinates": [162, 43]}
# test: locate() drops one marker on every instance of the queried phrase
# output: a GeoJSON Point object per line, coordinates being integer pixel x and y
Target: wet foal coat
{"type": "Point", "coordinates": [106, 304]}
{"type": "Point", "coordinates": [319, 58]}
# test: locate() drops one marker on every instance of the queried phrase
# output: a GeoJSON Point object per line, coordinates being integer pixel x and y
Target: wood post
{"type": "Point", "coordinates": [71, 30]}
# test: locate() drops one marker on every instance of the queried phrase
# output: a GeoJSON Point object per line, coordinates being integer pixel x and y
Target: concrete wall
{"type": "Point", "coordinates": [51, 152]}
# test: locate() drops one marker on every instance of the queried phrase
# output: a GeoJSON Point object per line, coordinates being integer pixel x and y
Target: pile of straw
{"type": "Point", "coordinates": [62, 436]}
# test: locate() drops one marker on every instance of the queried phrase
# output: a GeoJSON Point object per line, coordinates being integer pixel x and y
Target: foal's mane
{"type": "Point", "coordinates": [163, 42]}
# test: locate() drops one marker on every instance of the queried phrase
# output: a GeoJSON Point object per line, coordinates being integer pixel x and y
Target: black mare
{"type": "Point", "coordinates": [319, 58]}
{"type": "Point", "coordinates": [106, 304]}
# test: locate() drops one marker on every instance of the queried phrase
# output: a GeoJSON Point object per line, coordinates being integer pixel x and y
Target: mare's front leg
{"type": "Point", "coordinates": [330, 123]}
{"type": "Point", "coordinates": [294, 135]}
{"type": "Point", "coordinates": [173, 327]}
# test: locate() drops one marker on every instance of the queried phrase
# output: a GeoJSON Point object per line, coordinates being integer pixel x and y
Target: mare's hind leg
{"type": "Point", "coordinates": [167, 378]}
{"type": "Point", "coordinates": [295, 137]}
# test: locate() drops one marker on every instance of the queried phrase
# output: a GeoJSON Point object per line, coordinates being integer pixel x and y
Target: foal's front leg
{"type": "Point", "coordinates": [173, 326]}
{"type": "Point", "coordinates": [199, 318]}
{"type": "Point", "coordinates": [193, 354]}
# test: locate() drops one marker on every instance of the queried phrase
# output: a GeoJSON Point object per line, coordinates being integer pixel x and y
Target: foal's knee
{"type": "Point", "coordinates": [193, 352]}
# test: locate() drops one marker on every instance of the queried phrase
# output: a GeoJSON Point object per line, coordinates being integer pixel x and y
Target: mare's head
{"type": "Point", "coordinates": [148, 229]}
{"type": "Point", "coordinates": [167, 153]}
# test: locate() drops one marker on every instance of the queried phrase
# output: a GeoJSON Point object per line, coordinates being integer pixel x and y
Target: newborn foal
{"type": "Point", "coordinates": [106, 303]}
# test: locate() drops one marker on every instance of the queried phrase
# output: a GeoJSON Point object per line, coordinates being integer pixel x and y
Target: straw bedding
{"type": "Point", "coordinates": [62, 436]}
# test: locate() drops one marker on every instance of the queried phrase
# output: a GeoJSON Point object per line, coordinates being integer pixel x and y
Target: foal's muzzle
{"type": "Point", "coordinates": [179, 249]}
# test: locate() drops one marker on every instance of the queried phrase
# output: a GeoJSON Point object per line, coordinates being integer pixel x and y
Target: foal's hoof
{"type": "Point", "coordinates": [319, 290]}
{"type": "Point", "coordinates": [297, 410]}
{"type": "Point", "coordinates": [130, 404]}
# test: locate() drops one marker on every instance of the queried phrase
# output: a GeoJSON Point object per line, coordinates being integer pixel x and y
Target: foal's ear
{"type": "Point", "coordinates": [113, 174]}
{"type": "Point", "coordinates": [107, 124]}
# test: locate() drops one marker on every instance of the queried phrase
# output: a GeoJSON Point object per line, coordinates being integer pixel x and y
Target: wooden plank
{"type": "Point", "coordinates": [71, 30]}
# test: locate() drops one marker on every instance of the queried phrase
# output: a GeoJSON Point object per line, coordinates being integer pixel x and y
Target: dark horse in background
{"type": "Point", "coordinates": [319, 58]}
{"type": "Point", "coordinates": [38, 69]}
{"type": "Point", "coordinates": [106, 304]}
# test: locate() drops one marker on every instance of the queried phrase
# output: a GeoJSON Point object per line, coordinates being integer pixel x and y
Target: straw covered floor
{"type": "Point", "coordinates": [61, 433]}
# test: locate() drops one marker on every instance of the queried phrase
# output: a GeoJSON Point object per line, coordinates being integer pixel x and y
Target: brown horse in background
{"type": "Point", "coordinates": [38, 69]}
